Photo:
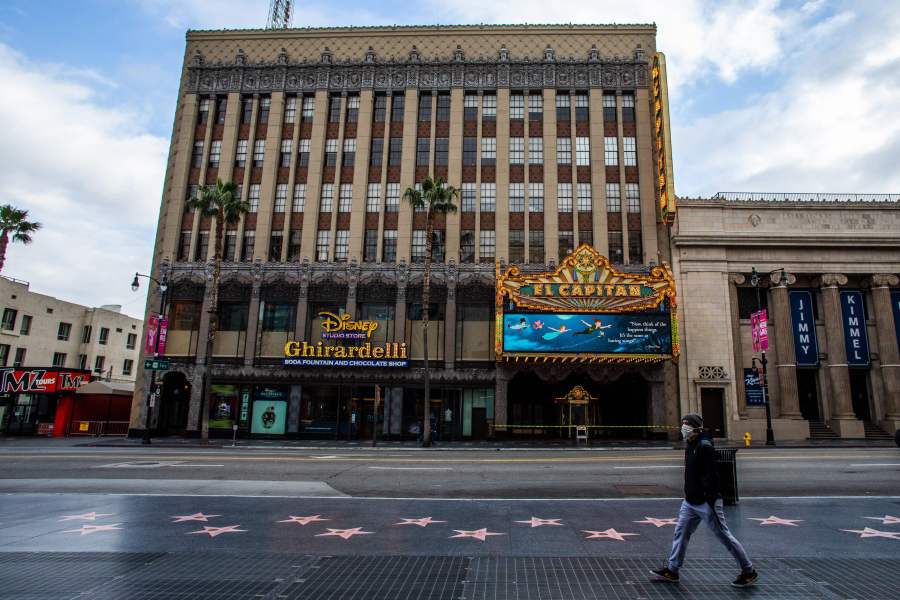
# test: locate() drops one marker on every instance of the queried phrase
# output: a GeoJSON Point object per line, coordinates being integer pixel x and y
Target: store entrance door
{"type": "Point", "coordinates": [807, 392]}
{"type": "Point", "coordinates": [859, 393]}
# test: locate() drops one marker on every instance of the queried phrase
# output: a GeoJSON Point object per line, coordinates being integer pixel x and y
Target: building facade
{"type": "Point", "coordinates": [555, 137]}
{"type": "Point", "coordinates": [44, 338]}
{"type": "Point", "coordinates": [827, 269]}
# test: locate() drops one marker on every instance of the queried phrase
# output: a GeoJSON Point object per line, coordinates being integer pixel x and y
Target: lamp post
{"type": "Point", "coordinates": [770, 433]}
{"type": "Point", "coordinates": [163, 288]}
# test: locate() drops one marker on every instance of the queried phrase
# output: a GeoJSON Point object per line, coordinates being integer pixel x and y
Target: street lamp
{"type": "Point", "coordinates": [754, 281]}
{"type": "Point", "coordinates": [163, 287]}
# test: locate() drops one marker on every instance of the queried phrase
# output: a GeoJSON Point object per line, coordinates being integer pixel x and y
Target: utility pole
{"type": "Point", "coordinates": [280, 13]}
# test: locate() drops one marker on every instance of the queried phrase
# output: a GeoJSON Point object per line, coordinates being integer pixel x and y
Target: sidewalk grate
{"type": "Point", "coordinates": [870, 578]}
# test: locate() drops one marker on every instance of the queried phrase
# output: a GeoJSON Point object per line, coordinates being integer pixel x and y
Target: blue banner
{"type": "Point", "coordinates": [640, 333]}
{"type": "Point", "coordinates": [856, 338]}
{"type": "Point", "coordinates": [895, 303]}
{"type": "Point", "coordinates": [753, 389]}
{"type": "Point", "coordinates": [803, 325]}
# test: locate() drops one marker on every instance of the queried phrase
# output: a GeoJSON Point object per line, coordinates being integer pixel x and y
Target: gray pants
{"type": "Point", "coordinates": [689, 518]}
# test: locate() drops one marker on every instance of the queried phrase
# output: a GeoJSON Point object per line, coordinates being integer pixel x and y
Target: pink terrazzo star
{"type": "Point", "coordinates": [195, 517]}
{"type": "Point", "coordinates": [423, 522]}
{"type": "Point", "coordinates": [868, 532]}
{"type": "Point", "coordinates": [536, 522]}
{"type": "Point", "coordinates": [345, 533]}
{"type": "Point", "coordinates": [886, 520]}
{"type": "Point", "coordinates": [658, 522]}
{"type": "Point", "coordinates": [91, 516]}
{"type": "Point", "coordinates": [87, 529]}
{"type": "Point", "coordinates": [216, 531]}
{"type": "Point", "coordinates": [772, 520]}
{"type": "Point", "coordinates": [610, 534]}
{"type": "Point", "coordinates": [303, 520]}
{"type": "Point", "coordinates": [478, 534]}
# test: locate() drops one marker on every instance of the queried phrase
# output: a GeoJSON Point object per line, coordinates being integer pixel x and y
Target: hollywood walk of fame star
{"type": "Point", "coordinates": [423, 522]}
{"type": "Point", "coordinates": [610, 534]}
{"type": "Point", "coordinates": [345, 533]}
{"type": "Point", "coordinates": [658, 522]}
{"type": "Point", "coordinates": [478, 534]}
{"type": "Point", "coordinates": [886, 520]}
{"type": "Point", "coordinates": [773, 520]}
{"type": "Point", "coordinates": [536, 522]}
{"type": "Point", "coordinates": [215, 531]}
{"type": "Point", "coordinates": [91, 516]}
{"type": "Point", "coordinates": [868, 532]}
{"type": "Point", "coordinates": [195, 517]}
{"type": "Point", "coordinates": [303, 520]}
{"type": "Point", "coordinates": [86, 529]}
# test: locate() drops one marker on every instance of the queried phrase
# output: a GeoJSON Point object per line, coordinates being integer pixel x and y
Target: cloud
{"type": "Point", "coordinates": [85, 169]}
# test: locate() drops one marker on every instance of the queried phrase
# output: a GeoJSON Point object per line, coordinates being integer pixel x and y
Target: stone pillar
{"type": "Point", "coordinates": [253, 317]}
{"type": "Point", "coordinates": [501, 383]}
{"type": "Point", "coordinates": [887, 348]}
{"type": "Point", "coordinates": [734, 280]}
{"type": "Point", "coordinates": [843, 420]}
{"type": "Point", "coordinates": [203, 331]}
{"type": "Point", "coordinates": [400, 306]}
{"type": "Point", "coordinates": [450, 318]}
{"type": "Point", "coordinates": [352, 280]}
{"type": "Point", "coordinates": [193, 420]}
{"type": "Point", "coordinates": [788, 406]}
{"type": "Point", "coordinates": [300, 323]}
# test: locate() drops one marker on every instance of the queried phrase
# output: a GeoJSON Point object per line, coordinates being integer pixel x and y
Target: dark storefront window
{"type": "Point", "coordinates": [314, 326]}
{"type": "Point", "coordinates": [232, 333]}
{"type": "Point", "coordinates": [747, 301]}
{"type": "Point", "coordinates": [277, 327]}
{"type": "Point", "coordinates": [475, 332]}
{"type": "Point", "coordinates": [383, 314]}
{"type": "Point", "coordinates": [224, 407]}
{"type": "Point", "coordinates": [414, 332]}
{"type": "Point", "coordinates": [184, 326]}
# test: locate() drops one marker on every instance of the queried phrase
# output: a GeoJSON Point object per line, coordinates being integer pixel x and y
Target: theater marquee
{"type": "Point", "coordinates": [586, 311]}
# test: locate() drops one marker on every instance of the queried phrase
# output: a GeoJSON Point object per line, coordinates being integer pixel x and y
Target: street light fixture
{"type": "Point", "coordinates": [754, 281]}
{"type": "Point", "coordinates": [163, 287]}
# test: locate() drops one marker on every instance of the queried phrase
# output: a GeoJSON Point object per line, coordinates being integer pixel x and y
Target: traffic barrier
{"type": "Point", "coordinates": [98, 428]}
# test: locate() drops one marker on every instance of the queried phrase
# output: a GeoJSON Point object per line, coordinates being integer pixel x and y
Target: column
{"type": "Point", "coordinates": [450, 318]}
{"type": "Point", "coordinates": [352, 280]}
{"type": "Point", "coordinates": [193, 420]}
{"type": "Point", "coordinates": [300, 323]}
{"type": "Point", "coordinates": [253, 319]}
{"type": "Point", "coordinates": [788, 401]}
{"type": "Point", "coordinates": [734, 280]}
{"type": "Point", "coordinates": [843, 420]}
{"type": "Point", "coordinates": [887, 348]}
{"type": "Point", "coordinates": [501, 383]}
{"type": "Point", "coordinates": [400, 306]}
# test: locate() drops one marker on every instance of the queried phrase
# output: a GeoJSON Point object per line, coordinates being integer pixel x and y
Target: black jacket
{"type": "Point", "coordinates": [701, 477]}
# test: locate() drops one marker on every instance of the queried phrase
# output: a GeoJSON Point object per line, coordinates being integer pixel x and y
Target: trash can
{"type": "Point", "coordinates": [726, 464]}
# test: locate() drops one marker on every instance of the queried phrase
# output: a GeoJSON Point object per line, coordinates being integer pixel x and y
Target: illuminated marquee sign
{"type": "Point", "coordinates": [665, 188]}
{"type": "Point", "coordinates": [586, 311]}
{"type": "Point", "coordinates": [342, 327]}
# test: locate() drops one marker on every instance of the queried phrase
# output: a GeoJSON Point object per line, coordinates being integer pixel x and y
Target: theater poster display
{"type": "Point", "coordinates": [586, 310]}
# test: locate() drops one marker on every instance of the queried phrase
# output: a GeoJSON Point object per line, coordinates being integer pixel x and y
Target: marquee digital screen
{"type": "Point", "coordinates": [645, 333]}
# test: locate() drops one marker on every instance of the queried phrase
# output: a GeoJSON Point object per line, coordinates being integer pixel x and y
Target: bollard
{"type": "Point", "coordinates": [747, 439]}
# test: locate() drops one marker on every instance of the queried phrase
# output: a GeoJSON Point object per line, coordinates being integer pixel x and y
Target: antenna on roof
{"type": "Point", "coordinates": [280, 14]}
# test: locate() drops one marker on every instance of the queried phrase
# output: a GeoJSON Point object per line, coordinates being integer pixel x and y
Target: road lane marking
{"type": "Point", "coordinates": [652, 467]}
{"type": "Point", "coordinates": [413, 468]}
{"type": "Point", "coordinates": [876, 465]}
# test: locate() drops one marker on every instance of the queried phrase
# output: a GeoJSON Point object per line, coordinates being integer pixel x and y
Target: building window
{"type": "Point", "coordinates": [488, 197]}
{"type": "Point", "coordinates": [265, 104]}
{"type": "Point", "coordinates": [629, 152]}
{"type": "Point", "coordinates": [517, 197]}
{"type": "Point", "coordinates": [467, 197]}
{"type": "Point", "coordinates": [276, 240]}
{"type": "Point", "coordinates": [389, 246]}
{"type": "Point", "coordinates": [488, 151]}
{"type": "Point", "coordinates": [63, 331]}
{"type": "Point", "coordinates": [423, 149]}
{"type": "Point", "coordinates": [609, 108]}
{"type": "Point", "coordinates": [470, 151]}
{"type": "Point", "coordinates": [131, 341]}
{"type": "Point", "coordinates": [104, 336]}
{"type": "Point", "coordinates": [582, 151]}
{"type": "Point", "coordinates": [467, 246]}
{"type": "Point", "coordinates": [418, 246]}
{"type": "Point", "coordinates": [516, 106]}
{"type": "Point", "coordinates": [581, 107]}
{"type": "Point", "coordinates": [563, 107]}
{"type": "Point", "coordinates": [627, 108]}
{"type": "Point", "coordinates": [59, 358]}
{"type": "Point", "coordinates": [398, 103]}
{"type": "Point", "coordinates": [309, 109]}
{"type": "Point", "coordinates": [19, 358]}
{"type": "Point", "coordinates": [535, 151]}
{"type": "Point", "coordinates": [326, 202]}
{"type": "Point", "coordinates": [352, 109]}
{"type": "Point", "coordinates": [331, 147]}
{"type": "Point", "coordinates": [488, 245]}
{"type": "Point", "coordinates": [611, 151]}
{"type": "Point", "coordinates": [286, 150]}
{"type": "Point", "coordinates": [215, 153]}
{"type": "Point", "coordinates": [299, 202]}
{"type": "Point", "coordinates": [203, 111]}
{"type": "Point", "coordinates": [564, 197]}
{"type": "Point", "coordinates": [221, 107]}
{"type": "Point", "coordinates": [443, 107]}
{"type": "Point", "coordinates": [230, 246]}
{"type": "Point", "coordinates": [127, 365]}
{"type": "Point", "coordinates": [633, 195]}
{"type": "Point", "coordinates": [253, 197]}
{"type": "Point", "coordinates": [9, 319]}
{"type": "Point", "coordinates": [615, 247]}
{"type": "Point", "coordinates": [86, 332]}
{"type": "Point", "coordinates": [535, 107]}
{"type": "Point", "coordinates": [441, 151]}
{"type": "Point", "coordinates": [586, 236]}
{"type": "Point", "coordinates": [380, 108]}
{"type": "Point", "coordinates": [303, 153]}
{"type": "Point", "coordinates": [322, 245]}
{"type": "Point", "coordinates": [516, 151]}
{"type": "Point", "coordinates": [197, 156]}
{"type": "Point", "coordinates": [184, 246]}
{"type": "Point", "coordinates": [341, 245]}
{"type": "Point", "coordinates": [82, 361]}
{"type": "Point", "coordinates": [349, 157]}
{"type": "Point", "coordinates": [248, 246]}
{"type": "Point", "coordinates": [193, 193]}
{"type": "Point", "coordinates": [585, 204]}
{"type": "Point", "coordinates": [536, 197]}
{"type": "Point", "coordinates": [395, 150]}
{"type": "Point", "coordinates": [489, 107]}
{"type": "Point", "coordinates": [377, 152]}
{"type": "Point", "coordinates": [334, 109]}
{"type": "Point", "coordinates": [536, 247]}
{"type": "Point", "coordinates": [345, 198]}
{"type": "Point", "coordinates": [392, 198]}
{"type": "Point", "coordinates": [373, 198]}
{"type": "Point", "coordinates": [99, 363]}
{"type": "Point", "coordinates": [566, 244]}
{"type": "Point", "coordinates": [613, 198]}
{"type": "Point", "coordinates": [516, 246]}
{"type": "Point", "coordinates": [280, 198]}
{"type": "Point", "coordinates": [246, 110]}
{"type": "Point", "coordinates": [475, 341]}
{"type": "Point", "coordinates": [635, 249]}
{"type": "Point", "coordinates": [290, 109]}
{"type": "Point", "coordinates": [25, 328]}
{"type": "Point", "coordinates": [294, 245]}
{"type": "Point", "coordinates": [259, 152]}
{"type": "Point", "coordinates": [4, 354]}
{"type": "Point", "coordinates": [370, 245]}
{"type": "Point", "coordinates": [240, 157]}
{"type": "Point", "coordinates": [563, 151]}
{"type": "Point", "coordinates": [425, 107]}
{"type": "Point", "coordinates": [423, 207]}
{"type": "Point", "coordinates": [470, 107]}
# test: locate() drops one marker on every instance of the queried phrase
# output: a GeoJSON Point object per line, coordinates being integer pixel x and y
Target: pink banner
{"type": "Point", "coordinates": [759, 330]}
{"type": "Point", "coordinates": [163, 332]}
{"type": "Point", "coordinates": [152, 328]}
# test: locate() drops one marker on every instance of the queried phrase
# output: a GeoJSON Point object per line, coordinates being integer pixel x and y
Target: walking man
{"type": "Point", "coordinates": [702, 503]}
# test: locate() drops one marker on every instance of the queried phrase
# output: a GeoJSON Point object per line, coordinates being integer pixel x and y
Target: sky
{"type": "Point", "coordinates": [766, 95]}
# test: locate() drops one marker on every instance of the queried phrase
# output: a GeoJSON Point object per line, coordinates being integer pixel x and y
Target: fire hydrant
{"type": "Point", "coordinates": [747, 439]}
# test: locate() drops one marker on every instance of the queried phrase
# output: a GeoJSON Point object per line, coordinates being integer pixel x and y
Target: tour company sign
{"type": "Point", "coordinates": [351, 347]}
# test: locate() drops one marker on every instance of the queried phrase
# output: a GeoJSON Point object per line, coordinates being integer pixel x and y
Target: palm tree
{"type": "Point", "coordinates": [223, 202]}
{"type": "Point", "coordinates": [437, 197]}
{"type": "Point", "coordinates": [13, 223]}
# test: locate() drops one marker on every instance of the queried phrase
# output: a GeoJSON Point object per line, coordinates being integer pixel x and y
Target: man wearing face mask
{"type": "Point", "coordinates": [701, 503]}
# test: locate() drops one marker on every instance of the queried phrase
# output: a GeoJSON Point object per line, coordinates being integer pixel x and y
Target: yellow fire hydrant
{"type": "Point", "coordinates": [747, 439]}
